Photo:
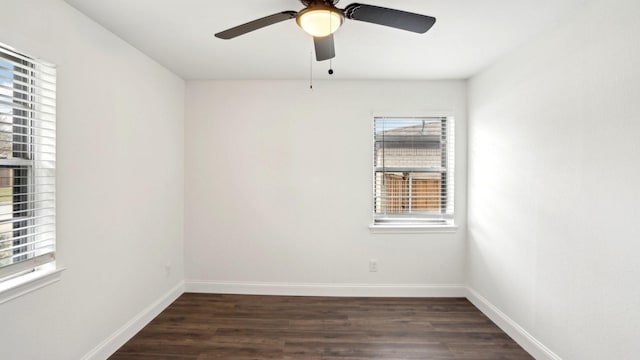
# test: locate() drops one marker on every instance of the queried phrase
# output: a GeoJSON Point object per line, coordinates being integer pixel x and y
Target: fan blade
{"type": "Point", "coordinates": [256, 24]}
{"type": "Point", "coordinates": [325, 48]}
{"type": "Point", "coordinates": [390, 17]}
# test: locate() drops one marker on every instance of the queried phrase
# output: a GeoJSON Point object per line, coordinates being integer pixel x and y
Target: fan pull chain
{"type": "Point", "coordinates": [331, 60]}
{"type": "Point", "coordinates": [310, 70]}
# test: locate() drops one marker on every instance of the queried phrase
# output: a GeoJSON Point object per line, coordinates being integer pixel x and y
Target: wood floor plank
{"type": "Point", "coordinates": [241, 327]}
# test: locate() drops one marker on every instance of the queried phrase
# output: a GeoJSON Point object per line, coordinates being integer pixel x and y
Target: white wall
{"type": "Point", "coordinates": [120, 184]}
{"type": "Point", "coordinates": [278, 188]}
{"type": "Point", "coordinates": [553, 184]}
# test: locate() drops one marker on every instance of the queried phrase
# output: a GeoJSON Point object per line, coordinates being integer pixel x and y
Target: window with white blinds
{"type": "Point", "coordinates": [27, 163]}
{"type": "Point", "coordinates": [413, 171]}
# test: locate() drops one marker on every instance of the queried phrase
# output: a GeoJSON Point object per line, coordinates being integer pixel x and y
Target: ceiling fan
{"type": "Point", "coordinates": [321, 18]}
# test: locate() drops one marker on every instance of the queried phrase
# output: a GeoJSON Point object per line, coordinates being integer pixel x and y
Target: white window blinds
{"type": "Point", "coordinates": [413, 170]}
{"type": "Point", "coordinates": [27, 163]}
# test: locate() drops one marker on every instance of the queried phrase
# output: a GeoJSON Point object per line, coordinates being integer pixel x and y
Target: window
{"type": "Point", "coordinates": [413, 171]}
{"type": "Point", "coordinates": [27, 164]}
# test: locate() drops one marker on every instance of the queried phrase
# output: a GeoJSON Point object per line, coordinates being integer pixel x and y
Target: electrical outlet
{"type": "Point", "coordinates": [373, 265]}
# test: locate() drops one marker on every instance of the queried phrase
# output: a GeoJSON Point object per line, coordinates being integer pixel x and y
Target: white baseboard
{"type": "Point", "coordinates": [520, 335]}
{"type": "Point", "coordinates": [107, 347]}
{"type": "Point", "coordinates": [301, 289]}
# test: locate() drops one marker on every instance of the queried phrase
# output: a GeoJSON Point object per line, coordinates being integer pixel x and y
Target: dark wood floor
{"type": "Point", "coordinates": [207, 326]}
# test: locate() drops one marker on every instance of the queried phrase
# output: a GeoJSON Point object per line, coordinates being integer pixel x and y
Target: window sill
{"type": "Point", "coordinates": [412, 229]}
{"type": "Point", "coordinates": [25, 284]}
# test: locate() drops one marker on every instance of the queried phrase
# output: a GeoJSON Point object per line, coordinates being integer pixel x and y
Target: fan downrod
{"type": "Point", "coordinates": [330, 3]}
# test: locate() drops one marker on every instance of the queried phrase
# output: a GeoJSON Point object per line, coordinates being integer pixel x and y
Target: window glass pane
{"type": "Point", "coordinates": [6, 214]}
{"type": "Point", "coordinates": [408, 143]}
{"type": "Point", "coordinates": [416, 193]}
{"type": "Point", "coordinates": [6, 121]}
{"type": "Point", "coordinates": [13, 118]}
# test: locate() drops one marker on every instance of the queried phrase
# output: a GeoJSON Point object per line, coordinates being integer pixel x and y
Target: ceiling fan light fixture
{"type": "Point", "coordinates": [320, 21]}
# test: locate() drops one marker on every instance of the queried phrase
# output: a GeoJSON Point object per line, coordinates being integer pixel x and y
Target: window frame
{"type": "Point", "coordinates": [31, 173]}
{"type": "Point", "coordinates": [404, 223]}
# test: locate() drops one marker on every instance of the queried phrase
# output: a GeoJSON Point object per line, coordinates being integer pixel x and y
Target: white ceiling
{"type": "Point", "coordinates": [468, 36]}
